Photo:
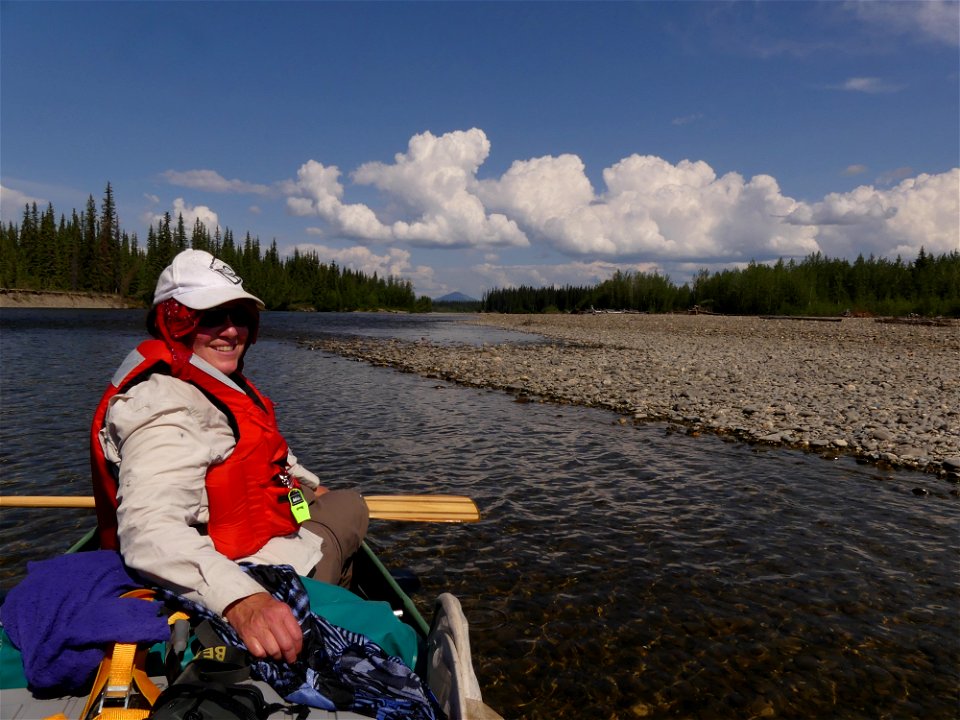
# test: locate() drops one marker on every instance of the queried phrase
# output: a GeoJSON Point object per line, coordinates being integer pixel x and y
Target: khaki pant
{"type": "Point", "coordinates": [340, 517]}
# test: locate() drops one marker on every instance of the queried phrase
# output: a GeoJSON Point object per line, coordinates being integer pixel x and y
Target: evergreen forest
{"type": "Point", "coordinates": [90, 252]}
{"type": "Point", "coordinates": [816, 286]}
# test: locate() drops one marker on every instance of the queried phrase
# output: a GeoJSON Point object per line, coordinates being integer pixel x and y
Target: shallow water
{"type": "Point", "coordinates": [620, 571]}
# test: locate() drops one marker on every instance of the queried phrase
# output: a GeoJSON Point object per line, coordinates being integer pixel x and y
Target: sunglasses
{"type": "Point", "coordinates": [238, 315]}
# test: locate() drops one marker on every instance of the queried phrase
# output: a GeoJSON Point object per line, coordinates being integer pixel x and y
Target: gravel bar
{"type": "Point", "coordinates": [886, 392]}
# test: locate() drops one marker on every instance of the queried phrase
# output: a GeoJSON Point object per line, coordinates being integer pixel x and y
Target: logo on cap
{"type": "Point", "coordinates": [228, 272]}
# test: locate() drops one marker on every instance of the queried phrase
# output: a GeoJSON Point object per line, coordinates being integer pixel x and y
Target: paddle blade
{"type": "Point", "coordinates": [423, 508]}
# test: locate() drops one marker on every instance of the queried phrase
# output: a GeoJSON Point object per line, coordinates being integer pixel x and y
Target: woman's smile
{"type": "Point", "coordinates": [221, 346]}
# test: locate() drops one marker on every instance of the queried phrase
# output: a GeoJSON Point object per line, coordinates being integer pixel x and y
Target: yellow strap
{"type": "Point", "coordinates": [123, 714]}
{"type": "Point", "coordinates": [120, 671]}
{"type": "Point", "coordinates": [143, 682]}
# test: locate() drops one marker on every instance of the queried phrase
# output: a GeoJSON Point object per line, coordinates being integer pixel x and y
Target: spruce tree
{"type": "Point", "coordinates": [106, 250]}
{"type": "Point", "coordinates": [88, 246]}
{"type": "Point", "coordinates": [48, 252]}
{"type": "Point", "coordinates": [180, 235]}
{"type": "Point", "coordinates": [9, 254]}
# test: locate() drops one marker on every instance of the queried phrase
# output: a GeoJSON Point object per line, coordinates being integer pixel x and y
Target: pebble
{"type": "Point", "coordinates": [887, 393]}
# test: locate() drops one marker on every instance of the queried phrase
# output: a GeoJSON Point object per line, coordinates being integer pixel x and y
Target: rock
{"type": "Point", "coordinates": [952, 464]}
{"type": "Point", "coordinates": [911, 453]}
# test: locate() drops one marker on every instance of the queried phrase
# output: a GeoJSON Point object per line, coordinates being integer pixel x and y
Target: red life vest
{"type": "Point", "coordinates": [247, 501]}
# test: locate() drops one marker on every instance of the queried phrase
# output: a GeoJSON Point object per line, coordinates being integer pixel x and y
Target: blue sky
{"type": "Point", "coordinates": [466, 146]}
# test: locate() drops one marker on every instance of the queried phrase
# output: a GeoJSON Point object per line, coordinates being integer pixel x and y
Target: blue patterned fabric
{"type": "Point", "coordinates": [338, 669]}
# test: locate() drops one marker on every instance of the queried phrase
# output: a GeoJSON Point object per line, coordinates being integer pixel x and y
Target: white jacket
{"type": "Point", "coordinates": [164, 434]}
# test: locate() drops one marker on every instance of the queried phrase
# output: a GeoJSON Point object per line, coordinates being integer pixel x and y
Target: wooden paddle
{"type": "Point", "coordinates": [414, 508]}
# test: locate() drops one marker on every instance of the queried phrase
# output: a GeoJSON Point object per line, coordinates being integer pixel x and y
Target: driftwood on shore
{"type": "Point", "coordinates": [801, 317]}
{"type": "Point", "coordinates": [931, 322]}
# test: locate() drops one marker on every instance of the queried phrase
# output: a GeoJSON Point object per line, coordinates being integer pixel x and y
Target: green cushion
{"type": "Point", "coordinates": [11, 665]}
{"type": "Point", "coordinates": [373, 619]}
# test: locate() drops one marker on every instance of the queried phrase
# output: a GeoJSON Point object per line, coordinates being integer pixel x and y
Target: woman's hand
{"type": "Point", "coordinates": [266, 626]}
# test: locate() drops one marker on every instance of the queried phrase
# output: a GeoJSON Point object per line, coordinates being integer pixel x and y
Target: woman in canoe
{"type": "Point", "coordinates": [191, 475]}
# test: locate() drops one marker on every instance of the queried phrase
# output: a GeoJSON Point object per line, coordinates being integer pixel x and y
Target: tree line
{"type": "Point", "coordinates": [90, 252]}
{"type": "Point", "coordinates": [815, 286]}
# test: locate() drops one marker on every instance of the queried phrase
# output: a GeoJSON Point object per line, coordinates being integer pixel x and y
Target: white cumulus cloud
{"type": "Point", "coordinates": [432, 186]}
{"type": "Point", "coordinates": [190, 215]}
{"type": "Point", "coordinates": [651, 209]}
{"type": "Point", "coordinates": [923, 211]}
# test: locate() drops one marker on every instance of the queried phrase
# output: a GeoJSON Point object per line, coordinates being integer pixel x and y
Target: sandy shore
{"type": "Point", "coordinates": [888, 393]}
{"type": "Point", "coordinates": [55, 299]}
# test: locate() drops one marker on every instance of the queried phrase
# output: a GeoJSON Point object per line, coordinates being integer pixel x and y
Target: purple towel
{"type": "Point", "coordinates": [67, 611]}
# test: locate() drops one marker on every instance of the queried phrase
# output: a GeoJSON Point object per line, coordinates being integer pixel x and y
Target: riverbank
{"type": "Point", "coordinates": [15, 298]}
{"type": "Point", "coordinates": [886, 393]}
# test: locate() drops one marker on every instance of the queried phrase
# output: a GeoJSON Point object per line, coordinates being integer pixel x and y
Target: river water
{"type": "Point", "coordinates": [620, 571]}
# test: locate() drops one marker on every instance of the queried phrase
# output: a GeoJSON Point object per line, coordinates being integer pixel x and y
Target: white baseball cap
{"type": "Point", "coordinates": [200, 281]}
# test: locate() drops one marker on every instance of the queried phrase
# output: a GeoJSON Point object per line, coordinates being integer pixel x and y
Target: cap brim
{"type": "Point", "coordinates": [206, 298]}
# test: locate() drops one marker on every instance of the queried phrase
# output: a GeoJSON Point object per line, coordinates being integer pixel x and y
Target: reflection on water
{"type": "Point", "coordinates": [620, 571]}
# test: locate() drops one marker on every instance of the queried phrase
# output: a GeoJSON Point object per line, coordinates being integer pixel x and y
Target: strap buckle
{"type": "Point", "coordinates": [115, 697]}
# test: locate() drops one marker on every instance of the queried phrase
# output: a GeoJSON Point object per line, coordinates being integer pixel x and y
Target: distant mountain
{"type": "Point", "coordinates": [455, 297]}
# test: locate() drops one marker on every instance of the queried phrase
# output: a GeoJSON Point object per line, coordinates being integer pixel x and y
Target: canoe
{"type": "Point", "coordinates": [443, 650]}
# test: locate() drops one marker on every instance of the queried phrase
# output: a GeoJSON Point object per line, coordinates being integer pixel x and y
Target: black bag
{"type": "Point", "coordinates": [212, 687]}
{"type": "Point", "coordinates": [211, 701]}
